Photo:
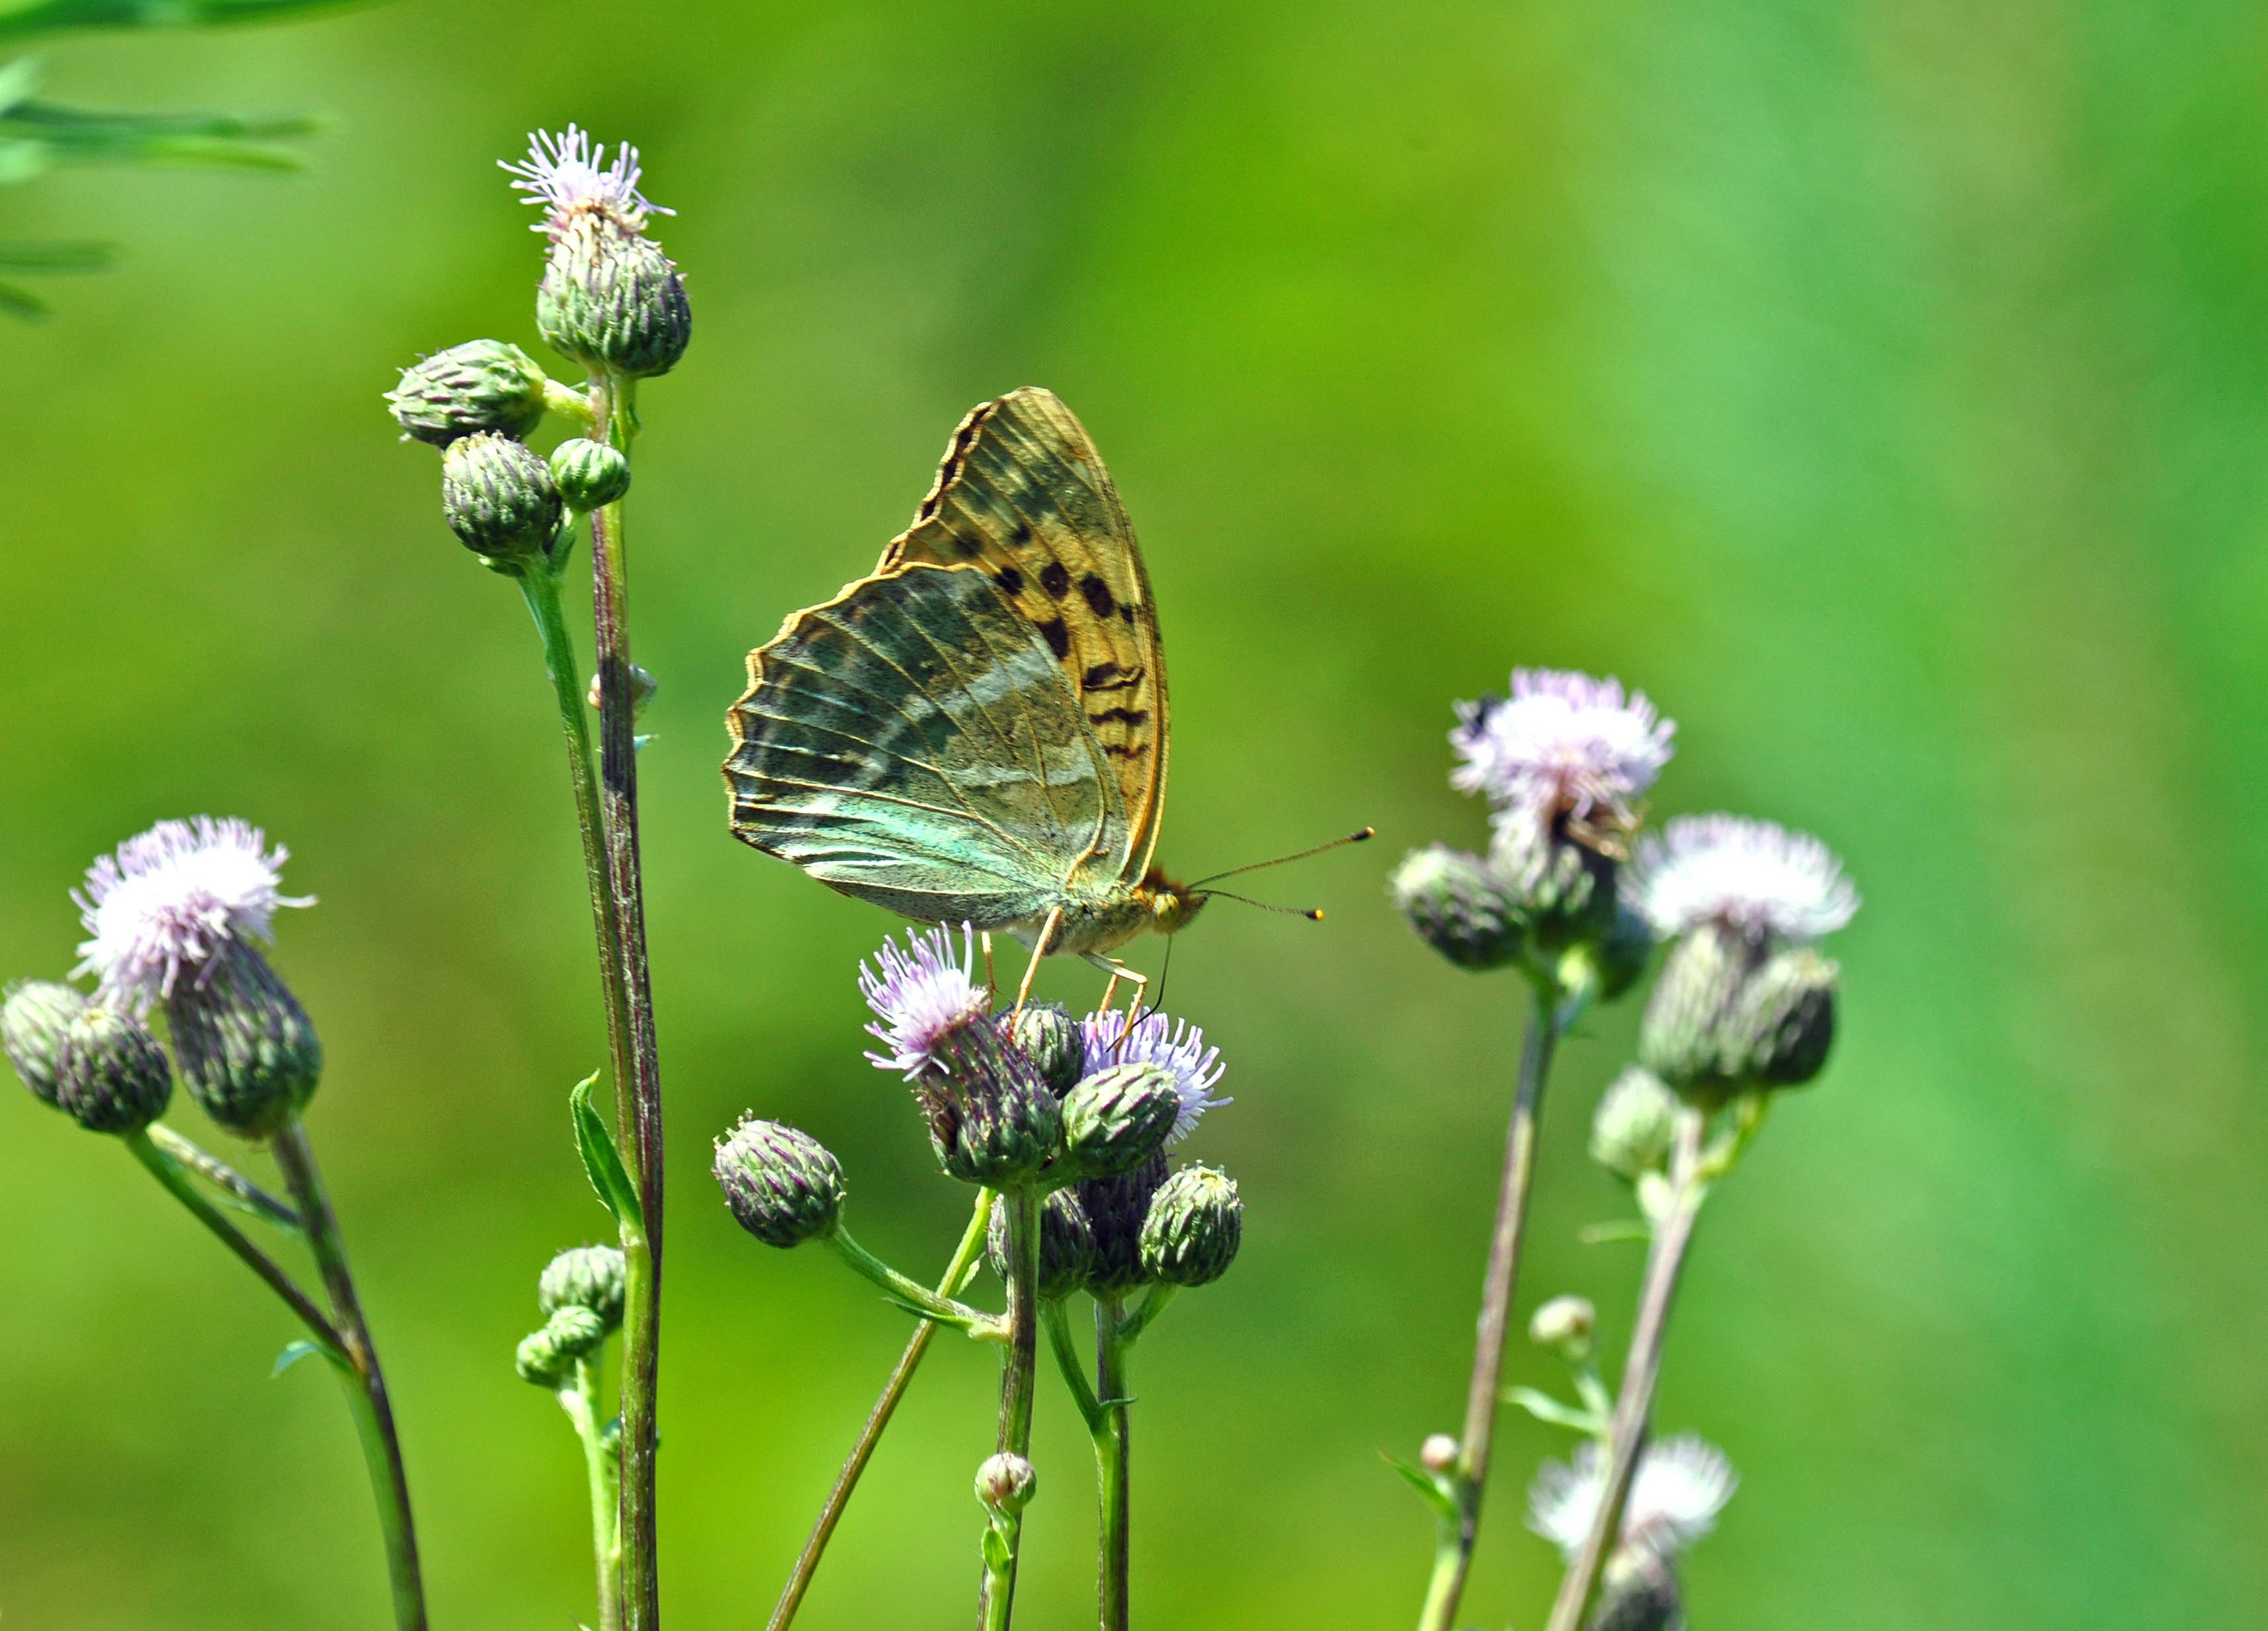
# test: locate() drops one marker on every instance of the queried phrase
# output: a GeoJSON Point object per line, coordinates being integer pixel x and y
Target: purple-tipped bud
{"type": "Point", "coordinates": [32, 1024]}
{"type": "Point", "coordinates": [1005, 1484]}
{"type": "Point", "coordinates": [1066, 1245]}
{"type": "Point", "coordinates": [110, 1073]}
{"type": "Point", "coordinates": [586, 1276]}
{"type": "Point", "coordinates": [1116, 1208]}
{"type": "Point", "coordinates": [1638, 1591]}
{"type": "Point", "coordinates": [1119, 1117]}
{"type": "Point", "coordinates": [1563, 888]}
{"type": "Point", "coordinates": [1194, 1226]}
{"type": "Point", "coordinates": [1050, 1039]}
{"type": "Point", "coordinates": [782, 1184]}
{"type": "Point", "coordinates": [498, 497]}
{"type": "Point", "coordinates": [1459, 906]}
{"type": "Point", "coordinates": [248, 1053]}
{"type": "Point", "coordinates": [1729, 1016]}
{"type": "Point", "coordinates": [483, 385]}
{"type": "Point", "coordinates": [991, 1118]}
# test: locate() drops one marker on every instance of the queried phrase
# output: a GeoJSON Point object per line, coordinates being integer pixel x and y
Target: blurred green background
{"type": "Point", "coordinates": [1879, 387]}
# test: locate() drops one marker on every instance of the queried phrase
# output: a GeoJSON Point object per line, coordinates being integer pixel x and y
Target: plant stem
{"type": "Point", "coordinates": [581, 1403]}
{"type": "Point", "coordinates": [237, 1190]}
{"type": "Point", "coordinates": [166, 1171]}
{"type": "Point", "coordinates": [637, 1092]}
{"type": "Point", "coordinates": [931, 1305]}
{"type": "Point", "coordinates": [1634, 1404]}
{"type": "Point", "coordinates": [1018, 1371]}
{"type": "Point", "coordinates": [1453, 1552]}
{"type": "Point", "coordinates": [957, 1275]}
{"type": "Point", "coordinates": [1114, 1465]}
{"type": "Point", "coordinates": [365, 1381]}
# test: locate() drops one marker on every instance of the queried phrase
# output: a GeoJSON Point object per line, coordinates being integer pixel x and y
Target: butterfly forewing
{"type": "Point", "coordinates": [1023, 497]}
{"type": "Point", "coordinates": [914, 743]}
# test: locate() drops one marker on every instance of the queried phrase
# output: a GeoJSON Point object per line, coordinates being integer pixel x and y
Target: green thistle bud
{"type": "Point", "coordinates": [991, 1118]}
{"type": "Point", "coordinates": [547, 1357]}
{"type": "Point", "coordinates": [1634, 1125]}
{"type": "Point", "coordinates": [1459, 906]}
{"type": "Point", "coordinates": [1005, 1484]}
{"type": "Point", "coordinates": [1564, 889]}
{"type": "Point", "coordinates": [500, 500]}
{"type": "Point", "coordinates": [1195, 1223]}
{"type": "Point", "coordinates": [1625, 952]}
{"type": "Point", "coordinates": [31, 1024]}
{"type": "Point", "coordinates": [1066, 1245]}
{"type": "Point", "coordinates": [1048, 1037]}
{"type": "Point", "coordinates": [248, 1053]}
{"type": "Point", "coordinates": [1564, 1323]}
{"type": "Point", "coordinates": [576, 1331]}
{"type": "Point", "coordinates": [612, 301]}
{"type": "Point", "coordinates": [1637, 1591]}
{"type": "Point", "coordinates": [483, 385]}
{"type": "Point", "coordinates": [1681, 1038]}
{"type": "Point", "coordinates": [1780, 1029]}
{"type": "Point", "coordinates": [585, 1276]}
{"type": "Point", "coordinates": [590, 474]}
{"type": "Point", "coordinates": [1116, 1208]}
{"type": "Point", "coordinates": [110, 1073]}
{"type": "Point", "coordinates": [1119, 1117]}
{"type": "Point", "coordinates": [783, 1185]}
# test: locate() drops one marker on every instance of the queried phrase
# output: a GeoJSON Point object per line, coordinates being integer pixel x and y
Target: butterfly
{"type": "Point", "coordinates": [976, 733]}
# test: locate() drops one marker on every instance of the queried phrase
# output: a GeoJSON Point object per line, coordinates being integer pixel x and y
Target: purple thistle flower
{"type": "Point", "coordinates": [1755, 876]}
{"type": "Point", "coordinates": [1173, 1045]}
{"type": "Point", "coordinates": [1681, 1485]}
{"type": "Point", "coordinates": [569, 178]}
{"type": "Point", "coordinates": [1562, 744]}
{"type": "Point", "coordinates": [920, 996]}
{"type": "Point", "coordinates": [171, 899]}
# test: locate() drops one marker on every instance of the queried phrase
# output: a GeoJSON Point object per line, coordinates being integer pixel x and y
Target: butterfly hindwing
{"type": "Point", "coordinates": [914, 743]}
{"type": "Point", "coordinates": [1023, 497]}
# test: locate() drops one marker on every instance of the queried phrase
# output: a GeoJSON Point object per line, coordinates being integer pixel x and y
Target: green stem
{"type": "Point", "coordinates": [637, 1092]}
{"type": "Point", "coordinates": [1114, 1465]}
{"type": "Point", "coordinates": [1452, 1551]}
{"type": "Point", "coordinates": [1018, 1371]}
{"type": "Point", "coordinates": [1055, 1318]}
{"type": "Point", "coordinates": [1641, 1372]}
{"type": "Point", "coordinates": [365, 1380]}
{"type": "Point", "coordinates": [956, 1278]}
{"type": "Point", "coordinates": [581, 1404]}
{"type": "Point", "coordinates": [236, 1189]}
{"type": "Point", "coordinates": [167, 1171]}
{"type": "Point", "coordinates": [943, 1309]}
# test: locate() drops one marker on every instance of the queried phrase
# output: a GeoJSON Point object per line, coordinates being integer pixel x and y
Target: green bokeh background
{"type": "Point", "coordinates": [1880, 388]}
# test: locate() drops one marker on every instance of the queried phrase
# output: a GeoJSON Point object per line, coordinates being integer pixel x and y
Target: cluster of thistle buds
{"type": "Point", "coordinates": [1029, 1097]}
{"type": "Point", "coordinates": [173, 919]}
{"type": "Point", "coordinates": [611, 302]}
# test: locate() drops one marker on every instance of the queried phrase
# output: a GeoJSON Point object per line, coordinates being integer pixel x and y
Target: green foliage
{"type": "Point", "coordinates": [54, 16]}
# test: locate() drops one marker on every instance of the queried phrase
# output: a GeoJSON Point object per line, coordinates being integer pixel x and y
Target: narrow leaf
{"type": "Point", "coordinates": [292, 1354]}
{"type": "Point", "coordinates": [1543, 1407]}
{"type": "Point", "coordinates": [58, 16]}
{"type": "Point", "coordinates": [1428, 1487]}
{"type": "Point", "coordinates": [601, 1159]}
{"type": "Point", "coordinates": [83, 256]}
{"type": "Point", "coordinates": [22, 304]}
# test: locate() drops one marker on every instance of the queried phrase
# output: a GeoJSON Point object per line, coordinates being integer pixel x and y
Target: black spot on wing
{"type": "Point", "coordinates": [1126, 614]}
{"type": "Point", "coordinates": [1056, 579]}
{"type": "Point", "coordinates": [1123, 716]}
{"type": "Point", "coordinates": [970, 547]}
{"type": "Point", "coordinates": [1110, 677]}
{"type": "Point", "coordinates": [1021, 533]}
{"type": "Point", "coordinates": [1058, 638]}
{"type": "Point", "coordinates": [1097, 595]}
{"type": "Point", "coordinates": [1011, 579]}
{"type": "Point", "coordinates": [1121, 751]}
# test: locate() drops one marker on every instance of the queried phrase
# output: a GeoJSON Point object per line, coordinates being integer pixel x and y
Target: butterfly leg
{"type": "Point", "coordinates": [1118, 971]}
{"type": "Point", "coordinates": [1039, 949]}
{"type": "Point", "coordinates": [992, 981]}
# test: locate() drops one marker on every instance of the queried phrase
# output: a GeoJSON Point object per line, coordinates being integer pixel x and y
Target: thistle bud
{"type": "Point", "coordinates": [500, 500]}
{"type": "Point", "coordinates": [1634, 1125]}
{"type": "Point", "coordinates": [590, 474]}
{"type": "Point", "coordinates": [1119, 1117]}
{"type": "Point", "coordinates": [585, 1276]}
{"type": "Point", "coordinates": [547, 1357]}
{"type": "Point", "coordinates": [1625, 952]}
{"type": "Point", "coordinates": [1116, 1208]}
{"type": "Point", "coordinates": [1437, 1454]}
{"type": "Point", "coordinates": [991, 1118]}
{"type": "Point", "coordinates": [1564, 1322]}
{"type": "Point", "coordinates": [612, 301]}
{"type": "Point", "coordinates": [643, 686]}
{"type": "Point", "coordinates": [247, 1051]}
{"type": "Point", "coordinates": [1682, 1037]}
{"type": "Point", "coordinates": [483, 385]}
{"type": "Point", "coordinates": [1564, 889]}
{"type": "Point", "coordinates": [1638, 1591]}
{"type": "Point", "coordinates": [1781, 1028]}
{"type": "Point", "coordinates": [110, 1073]}
{"type": "Point", "coordinates": [31, 1024]}
{"type": "Point", "coordinates": [1459, 906]}
{"type": "Point", "coordinates": [1049, 1038]}
{"type": "Point", "coordinates": [1005, 1484]}
{"type": "Point", "coordinates": [1066, 1245]}
{"type": "Point", "coordinates": [1195, 1223]}
{"type": "Point", "coordinates": [781, 1183]}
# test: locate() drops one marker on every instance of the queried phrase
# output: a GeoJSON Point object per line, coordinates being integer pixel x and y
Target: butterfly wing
{"type": "Point", "coordinates": [915, 743]}
{"type": "Point", "coordinates": [1023, 497]}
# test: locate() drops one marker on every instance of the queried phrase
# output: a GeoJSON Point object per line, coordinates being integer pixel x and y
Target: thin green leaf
{"type": "Point", "coordinates": [1623, 1228]}
{"type": "Point", "coordinates": [601, 1159]}
{"type": "Point", "coordinates": [22, 304]}
{"type": "Point", "coordinates": [45, 17]}
{"type": "Point", "coordinates": [294, 1352]}
{"type": "Point", "coordinates": [85, 256]}
{"type": "Point", "coordinates": [1543, 1407]}
{"type": "Point", "coordinates": [1428, 1487]}
{"type": "Point", "coordinates": [18, 79]}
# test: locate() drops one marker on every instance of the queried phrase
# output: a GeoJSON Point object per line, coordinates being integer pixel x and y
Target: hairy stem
{"type": "Point", "coordinates": [581, 1403]}
{"type": "Point", "coordinates": [1634, 1404]}
{"type": "Point", "coordinates": [941, 1308]}
{"type": "Point", "coordinates": [955, 1279]}
{"type": "Point", "coordinates": [1452, 1554]}
{"type": "Point", "coordinates": [1114, 1465]}
{"type": "Point", "coordinates": [236, 1189]}
{"type": "Point", "coordinates": [637, 1092]}
{"type": "Point", "coordinates": [365, 1380]}
{"type": "Point", "coordinates": [1018, 1371]}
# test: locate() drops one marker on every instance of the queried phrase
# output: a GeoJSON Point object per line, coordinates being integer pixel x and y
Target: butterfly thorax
{"type": "Point", "coordinates": [1103, 922]}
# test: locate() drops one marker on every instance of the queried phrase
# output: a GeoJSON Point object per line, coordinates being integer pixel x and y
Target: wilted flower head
{"type": "Point", "coordinates": [1174, 1046]}
{"type": "Point", "coordinates": [920, 995]}
{"type": "Point", "coordinates": [1562, 744]}
{"type": "Point", "coordinates": [1681, 1486]}
{"type": "Point", "coordinates": [171, 899]}
{"type": "Point", "coordinates": [570, 178]}
{"type": "Point", "coordinates": [1753, 876]}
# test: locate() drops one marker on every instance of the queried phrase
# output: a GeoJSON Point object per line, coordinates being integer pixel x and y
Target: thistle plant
{"type": "Point", "coordinates": [1061, 1127]}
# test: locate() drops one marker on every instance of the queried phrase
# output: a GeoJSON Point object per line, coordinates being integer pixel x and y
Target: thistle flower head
{"type": "Point", "coordinates": [920, 996]}
{"type": "Point", "coordinates": [1174, 1046]}
{"type": "Point", "coordinates": [173, 898]}
{"type": "Point", "coordinates": [1681, 1486]}
{"type": "Point", "coordinates": [570, 179]}
{"type": "Point", "coordinates": [1755, 878]}
{"type": "Point", "coordinates": [1564, 743]}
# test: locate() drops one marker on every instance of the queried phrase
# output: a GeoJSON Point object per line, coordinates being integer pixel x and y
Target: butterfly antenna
{"type": "Point", "coordinates": [1237, 871]}
{"type": "Point", "coordinates": [1165, 969]}
{"type": "Point", "coordinates": [1312, 914]}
